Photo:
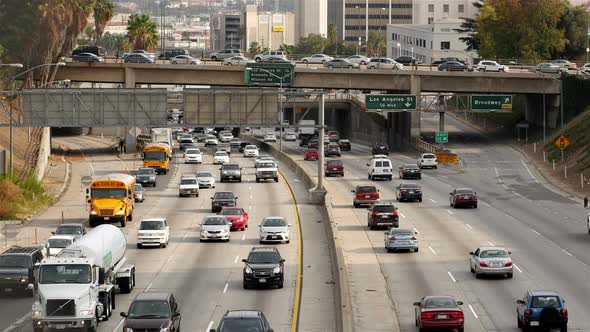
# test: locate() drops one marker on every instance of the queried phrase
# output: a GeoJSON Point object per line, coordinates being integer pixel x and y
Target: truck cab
{"type": "Point", "coordinates": [267, 169]}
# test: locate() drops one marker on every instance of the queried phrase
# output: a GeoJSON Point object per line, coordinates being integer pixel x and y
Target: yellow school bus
{"type": "Point", "coordinates": [112, 199]}
{"type": "Point", "coordinates": [157, 155]}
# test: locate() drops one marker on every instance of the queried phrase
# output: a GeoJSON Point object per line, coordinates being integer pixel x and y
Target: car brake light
{"type": "Point", "coordinates": [528, 312]}
{"type": "Point", "coordinates": [375, 214]}
{"type": "Point", "coordinates": [404, 190]}
{"type": "Point", "coordinates": [483, 264]}
{"type": "Point", "coordinates": [392, 238]}
{"type": "Point", "coordinates": [456, 314]}
{"type": "Point", "coordinates": [394, 213]}
{"type": "Point", "coordinates": [564, 312]}
{"type": "Point", "coordinates": [413, 238]}
{"type": "Point", "coordinates": [426, 315]}
{"type": "Point", "coordinates": [418, 190]}
{"type": "Point", "coordinates": [509, 264]}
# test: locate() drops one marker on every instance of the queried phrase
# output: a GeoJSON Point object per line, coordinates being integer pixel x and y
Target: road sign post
{"type": "Point", "coordinates": [491, 103]}
{"type": "Point", "coordinates": [441, 137]}
{"type": "Point", "coordinates": [269, 74]}
{"type": "Point", "coordinates": [390, 102]}
{"type": "Point", "coordinates": [562, 143]}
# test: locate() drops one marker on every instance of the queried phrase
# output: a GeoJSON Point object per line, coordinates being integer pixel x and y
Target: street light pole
{"type": "Point", "coordinates": [587, 33]}
{"type": "Point", "coordinates": [367, 24]}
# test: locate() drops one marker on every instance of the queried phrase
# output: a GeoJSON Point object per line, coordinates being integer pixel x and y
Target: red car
{"type": "Point", "coordinates": [439, 312]}
{"type": "Point", "coordinates": [237, 216]}
{"type": "Point", "coordinates": [334, 167]}
{"type": "Point", "coordinates": [365, 195]}
{"type": "Point", "coordinates": [311, 154]}
{"type": "Point", "coordinates": [463, 196]}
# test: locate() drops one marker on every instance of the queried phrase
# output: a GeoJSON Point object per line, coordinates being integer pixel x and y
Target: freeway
{"type": "Point", "coordinates": [206, 278]}
{"type": "Point", "coordinates": [542, 227]}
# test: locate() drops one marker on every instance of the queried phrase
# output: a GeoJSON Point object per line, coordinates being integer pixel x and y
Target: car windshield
{"type": "Point", "coordinates": [108, 193]}
{"type": "Point", "coordinates": [241, 325]}
{"type": "Point", "coordinates": [263, 257]}
{"type": "Point", "coordinates": [401, 232]}
{"type": "Point", "coordinates": [440, 302]}
{"type": "Point", "coordinates": [217, 221]}
{"type": "Point", "coordinates": [146, 171]}
{"type": "Point", "coordinates": [15, 261]}
{"type": "Point", "coordinates": [151, 225]}
{"type": "Point", "coordinates": [545, 301]}
{"type": "Point", "coordinates": [383, 208]}
{"type": "Point", "coordinates": [464, 191]}
{"type": "Point", "coordinates": [68, 230]}
{"type": "Point", "coordinates": [193, 151]}
{"type": "Point", "coordinates": [220, 154]}
{"type": "Point", "coordinates": [366, 189]}
{"type": "Point", "coordinates": [225, 195]}
{"type": "Point", "coordinates": [231, 167]}
{"type": "Point", "coordinates": [409, 186]}
{"type": "Point", "coordinates": [65, 274]}
{"type": "Point", "coordinates": [428, 156]}
{"type": "Point", "coordinates": [274, 222]}
{"type": "Point", "coordinates": [204, 175]}
{"type": "Point", "coordinates": [59, 243]}
{"type": "Point", "coordinates": [186, 141]}
{"type": "Point", "coordinates": [334, 163]}
{"type": "Point", "coordinates": [493, 254]}
{"type": "Point", "coordinates": [188, 181]}
{"type": "Point", "coordinates": [149, 310]}
{"type": "Point", "coordinates": [266, 165]}
{"type": "Point", "coordinates": [231, 212]}
{"type": "Point", "coordinates": [250, 147]}
{"type": "Point", "coordinates": [138, 187]}
{"type": "Point", "coordinates": [157, 156]}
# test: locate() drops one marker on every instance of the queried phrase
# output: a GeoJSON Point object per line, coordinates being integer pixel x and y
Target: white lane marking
{"type": "Point", "coordinates": [225, 288]}
{"type": "Point", "coordinates": [490, 242]}
{"type": "Point", "coordinates": [484, 203]}
{"type": "Point", "coordinates": [469, 226]}
{"type": "Point", "coordinates": [517, 194]}
{"type": "Point", "coordinates": [534, 231]}
{"type": "Point", "coordinates": [567, 252]}
{"type": "Point", "coordinates": [498, 175]}
{"type": "Point", "coordinates": [209, 326]}
{"type": "Point", "coordinates": [236, 260]}
{"type": "Point", "coordinates": [449, 211]}
{"type": "Point", "coordinates": [168, 260]}
{"type": "Point", "coordinates": [184, 237]}
{"type": "Point", "coordinates": [250, 187]}
{"type": "Point", "coordinates": [452, 278]}
{"type": "Point", "coordinates": [519, 270]}
{"type": "Point", "coordinates": [432, 200]}
{"type": "Point", "coordinates": [528, 170]}
{"type": "Point", "coordinates": [434, 252]}
{"type": "Point", "coordinates": [473, 312]}
{"type": "Point", "coordinates": [401, 214]}
{"type": "Point", "coordinates": [296, 180]}
{"type": "Point", "coordinates": [243, 237]}
{"type": "Point", "coordinates": [17, 323]}
{"type": "Point", "coordinates": [148, 287]}
{"type": "Point", "coordinates": [118, 325]}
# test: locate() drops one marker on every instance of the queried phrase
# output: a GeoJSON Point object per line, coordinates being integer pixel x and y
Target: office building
{"type": "Point", "coordinates": [225, 31]}
{"type": "Point", "coordinates": [311, 17]}
{"type": "Point", "coordinates": [426, 11]}
{"type": "Point", "coordinates": [268, 29]}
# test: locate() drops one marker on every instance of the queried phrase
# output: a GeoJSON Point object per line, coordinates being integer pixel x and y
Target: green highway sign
{"type": "Point", "coordinates": [266, 73]}
{"type": "Point", "coordinates": [441, 137]}
{"type": "Point", "coordinates": [390, 102]}
{"type": "Point", "coordinates": [491, 103]}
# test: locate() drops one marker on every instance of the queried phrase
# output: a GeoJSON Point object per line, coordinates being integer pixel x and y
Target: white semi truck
{"type": "Point", "coordinates": [162, 135]}
{"type": "Point", "coordinates": [76, 288]}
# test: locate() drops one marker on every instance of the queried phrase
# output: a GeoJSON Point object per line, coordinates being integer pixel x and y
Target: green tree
{"type": "Point", "coordinates": [332, 34]}
{"type": "Point", "coordinates": [574, 24]}
{"type": "Point", "coordinates": [377, 44]}
{"type": "Point", "coordinates": [468, 27]}
{"type": "Point", "coordinates": [254, 48]}
{"type": "Point", "coordinates": [311, 44]}
{"type": "Point", "coordinates": [103, 12]}
{"type": "Point", "coordinates": [288, 49]}
{"type": "Point", "coordinates": [142, 32]}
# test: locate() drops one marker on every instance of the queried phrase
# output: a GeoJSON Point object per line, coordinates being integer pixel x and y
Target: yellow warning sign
{"type": "Point", "coordinates": [562, 142]}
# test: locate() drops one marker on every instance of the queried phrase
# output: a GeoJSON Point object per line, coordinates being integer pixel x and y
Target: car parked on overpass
{"type": "Point", "coordinates": [407, 60]}
{"type": "Point", "coordinates": [238, 60]}
{"type": "Point", "coordinates": [561, 63]}
{"type": "Point", "coordinates": [548, 68]}
{"type": "Point", "coordinates": [185, 59]}
{"type": "Point", "coordinates": [224, 54]}
{"type": "Point", "coordinates": [138, 58]}
{"type": "Point", "coordinates": [270, 54]}
{"type": "Point", "coordinates": [384, 63]}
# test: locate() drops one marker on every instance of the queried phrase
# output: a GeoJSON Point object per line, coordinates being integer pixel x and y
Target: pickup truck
{"type": "Point", "coordinates": [188, 186]}
{"type": "Point", "coordinates": [267, 169]}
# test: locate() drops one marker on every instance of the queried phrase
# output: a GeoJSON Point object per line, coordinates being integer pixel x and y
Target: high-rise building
{"type": "Point", "coordinates": [311, 17]}
{"type": "Point", "coordinates": [225, 31]}
{"type": "Point", "coordinates": [426, 11]}
{"type": "Point", "coordinates": [268, 29]}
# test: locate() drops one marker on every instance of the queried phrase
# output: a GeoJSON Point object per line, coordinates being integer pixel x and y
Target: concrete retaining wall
{"type": "Point", "coordinates": [44, 152]}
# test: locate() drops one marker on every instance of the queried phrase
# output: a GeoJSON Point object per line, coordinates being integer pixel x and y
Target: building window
{"type": "Point", "coordinates": [445, 45]}
{"type": "Point", "coordinates": [446, 9]}
{"type": "Point", "coordinates": [430, 20]}
{"type": "Point", "coordinates": [461, 8]}
{"type": "Point", "coordinates": [431, 8]}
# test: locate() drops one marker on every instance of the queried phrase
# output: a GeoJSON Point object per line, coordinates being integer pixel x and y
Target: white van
{"type": "Point", "coordinates": [380, 168]}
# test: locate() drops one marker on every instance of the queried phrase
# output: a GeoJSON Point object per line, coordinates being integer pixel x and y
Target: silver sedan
{"type": "Point", "coordinates": [341, 63]}
{"type": "Point", "coordinates": [237, 60]}
{"type": "Point", "coordinates": [491, 260]}
{"type": "Point", "coordinates": [400, 238]}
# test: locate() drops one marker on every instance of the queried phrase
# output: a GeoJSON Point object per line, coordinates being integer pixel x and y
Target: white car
{"type": "Point", "coordinates": [270, 137]}
{"type": "Point", "coordinates": [561, 63]}
{"type": "Point", "coordinates": [487, 65]}
{"type": "Point", "coordinates": [380, 168]}
{"type": "Point", "coordinates": [290, 136]}
{"type": "Point", "coordinates": [274, 229]}
{"type": "Point", "coordinates": [491, 260]}
{"type": "Point", "coordinates": [220, 157]}
{"type": "Point", "coordinates": [427, 160]}
{"type": "Point", "coordinates": [153, 232]}
{"type": "Point", "coordinates": [225, 136]}
{"type": "Point", "coordinates": [193, 156]}
{"type": "Point", "coordinates": [237, 60]}
{"type": "Point", "coordinates": [270, 54]}
{"type": "Point", "coordinates": [317, 58]}
{"type": "Point", "coordinates": [211, 140]}
{"type": "Point", "coordinates": [57, 243]}
{"type": "Point", "coordinates": [185, 59]}
{"type": "Point", "coordinates": [215, 227]}
{"type": "Point", "coordinates": [250, 151]}
{"type": "Point", "coordinates": [360, 59]}
{"type": "Point", "coordinates": [384, 63]}
{"type": "Point", "coordinates": [205, 180]}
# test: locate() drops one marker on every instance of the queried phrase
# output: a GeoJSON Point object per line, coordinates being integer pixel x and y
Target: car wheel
{"type": "Point", "coordinates": [288, 241]}
{"type": "Point", "coordinates": [416, 250]}
{"type": "Point", "coordinates": [477, 275]}
{"type": "Point", "coordinates": [518, 322]}
{"type": "Point", "coordinates": [213, 58]}
{"type": "Point", "coordinates": [305, 61]}
{"type": "Point", "coordinates": [564, 328]}
{"type": "Point", "coordinates": [510, 275]}
{"type": "Point", "coordinates": [420, 199]}
{"type": "Point", "coordinates": [451, 203]}
{"type": "Point", "coordinates": [389, 249]}
{"type": "Point", "coordinates": [461, 329]}
{"type": "Point", "coordinates": [246, 286]}
{"type": "Point", "coordinates": [139, 246]}
{"type": "Point", "coordinates": [475, 206]}
{"type": "Point", "coordinates": [356, 206]}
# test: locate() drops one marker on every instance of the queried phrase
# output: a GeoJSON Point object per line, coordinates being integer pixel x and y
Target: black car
{"type": "Point", "coordinates": [304, 140]}
{"type": "Point", "coordinates": [447, 59]}
{"type": "Point", "coordinates": [344, 145]}
{"type": "Point", "coordinates": [263, 267]}
{"type": "Point", "coordinates": [230, 172]}
{"type": "Point", "coordinates": [96, 50]}
{"type": "Point", "coordinates": [145, 176]}
{"type": "Point", "coordinates": [243, 145]}
{"type": "Point", "coordinates": [171, 53]}
{"type": "Point", "coordinates": [313, 143]}
{"type": "Point", "coordinates": [16, 269]}
{"type": "Point", "coordinates": [243, 320]}
{"type": "Point", "coordinates": [332, 149]}
{"type": "Point", "coordinates": [410, 171]}
{"type": "Point", "coordinates": [408, 60]}
{"type": "Point", "coordinates": [87, 57]}
{"type": "Point", "coordinates": [221, 199]}
{"type": "Point", "coordinates": [408, 191]}
{"type": "Point", "coordinates": [382, 214]}
{"type": "Point", "coordinates": [380, 148]}
{"type": "Point", "coordinates": [152, 311]}
{"type": "Point", "coordinates": [452, 66]}
{"type": "Point", "coordinates": [186, 144]}
{"type": "Point", "coordinates": [138, 58]}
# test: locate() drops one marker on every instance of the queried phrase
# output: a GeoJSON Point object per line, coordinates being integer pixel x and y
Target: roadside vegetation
{"type": "Point", "coordinates": [577, 153]}
{"type": "Point", "coordinates": [20, 198]}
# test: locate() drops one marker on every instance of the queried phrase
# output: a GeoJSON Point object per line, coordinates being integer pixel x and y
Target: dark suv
{"type": "Point", "coordinates": [380, 148]}
{"type": "Point", "coordinates": [230, 172]}
{"type": "Point", "coordinates": [264, 267]}
{"type": "Point", "coordinates": [16, 269]}
{"type": "Point", "coordinates": [146, 175]}
{"type": "Point", "coordinates": [221, 199]}
{"type": "Point", "coordinates": [382, 214]}
{"type": "Point", "coordinates": [410, 171]}
{"type": "Point", "coordinates": [243, 320]}
{"type": "Point", "coordinates": [153, 311]}
{"type": "Point", "coordinates": [541, 309]}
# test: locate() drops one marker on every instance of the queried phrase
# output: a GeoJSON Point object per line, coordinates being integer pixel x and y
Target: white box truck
{"type": "Point", "coordinates": [306, 129]}
{"type": "Point", "coordinates": [76, 288]}
{"type": "Point", "coordinates": [162, 135]}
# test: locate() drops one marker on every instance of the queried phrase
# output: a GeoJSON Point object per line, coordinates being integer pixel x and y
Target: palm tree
{"type": "Point", "coordinates": [103, 12]}
{"type": "Point", "coordinates": [142, 32]}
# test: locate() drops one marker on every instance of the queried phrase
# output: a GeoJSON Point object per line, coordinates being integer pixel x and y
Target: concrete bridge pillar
{"type": "Point", "coordinates": [129, 78]}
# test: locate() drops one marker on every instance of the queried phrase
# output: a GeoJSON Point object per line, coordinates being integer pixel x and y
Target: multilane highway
{"type": "Point", "coordinates": [542, 227]}
{"type": "Point", "coordinates": [206, 278]}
